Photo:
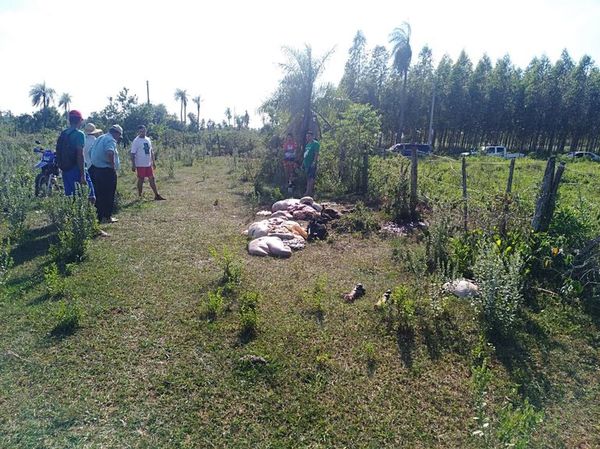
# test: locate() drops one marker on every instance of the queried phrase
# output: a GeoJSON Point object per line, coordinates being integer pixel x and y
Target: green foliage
{"type": "Point", "coordinates": [389, 184]}
{"type": "Point", "coordinates": [249, 314]}
{"type": "Point", "coordinates": [361, 220]}
{"type": "Point", "coordinates": [500, 279]}
{"type": "Point", "coordinates": [231, 267]}
{"type": "Point", "coordinates": [55, 283]}
{"type": "Point", "coordinates": [75, 219]}
{"type": "Point", "coordinates": [15, 200]}
{"type": "Point", "coordinates": [517, 424]}
{"type": "Point", "coordinates": [214, 303]}
{"type": "Point", "coordinates": [6, 262]}
{"type": "Point", "coordinates": [68, 318]}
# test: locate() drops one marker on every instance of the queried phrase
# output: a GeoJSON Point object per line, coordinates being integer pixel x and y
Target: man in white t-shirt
{"type": "Point", "coordinates": [142, 161]}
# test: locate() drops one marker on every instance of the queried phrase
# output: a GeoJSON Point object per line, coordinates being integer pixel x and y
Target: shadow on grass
{"type": "Point", "coordinates": [406, 345]}
{"type": "Point", "coordinates": [35, 243]}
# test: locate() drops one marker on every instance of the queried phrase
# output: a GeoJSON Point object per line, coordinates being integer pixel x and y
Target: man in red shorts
{"type": "Point", "coordinates": [142, 161]}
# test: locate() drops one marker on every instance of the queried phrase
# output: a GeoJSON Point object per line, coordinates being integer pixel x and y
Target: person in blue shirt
{"type": "Point", "coordinates": [104, 159]}
{"type": "Point", "coordinates": [74, 142]}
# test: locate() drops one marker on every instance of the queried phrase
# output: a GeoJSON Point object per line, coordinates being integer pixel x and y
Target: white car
{"type": "Point", "coordinates": [500, 151]}
{"type": "Point", "coordinates": [584, 155]}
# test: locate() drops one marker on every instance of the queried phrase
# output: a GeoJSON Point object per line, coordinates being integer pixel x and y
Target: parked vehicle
{"type": "Point", "coordinates": [405, 149]}
{"type": "Point", "coordinates": [499, 151]}
{"type": "Point", "coordinates": [584, 155]}
{"type": "Point", "coordinates": [46, 182]}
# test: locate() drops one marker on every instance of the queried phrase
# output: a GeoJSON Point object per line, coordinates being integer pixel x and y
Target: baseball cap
{"type": "Point", "coordinates": [74, 113]}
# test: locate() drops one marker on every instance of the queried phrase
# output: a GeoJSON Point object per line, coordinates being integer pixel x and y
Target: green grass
{"type": "Point", "coordinates": [144, 368]}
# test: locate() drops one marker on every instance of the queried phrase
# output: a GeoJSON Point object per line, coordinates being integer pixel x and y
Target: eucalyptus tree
{"type": "Point", "coordinates": [352, 82]}
{"type": "Point", "coordinates": [42, 95]}
{"type": "Point", "coordinates": [181, 96]}
{"type": "Point", "coordinates": [402, 54]}
{"type": "Point", "coordinates": [65, 102]}
{"type": "Point", "coordinates": [228, 116]}
{"type": "Point", "coordinates": [376, 75]}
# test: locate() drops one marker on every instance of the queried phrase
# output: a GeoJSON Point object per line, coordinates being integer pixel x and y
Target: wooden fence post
{"type": "Point", "coordinates": [504, 221]}
{"type": "Point", "coordinates": [464, 195]}
{"type": "Point", "coordinates": [547, 200]}
{"type": "Point", "coordinates": [413, 183]}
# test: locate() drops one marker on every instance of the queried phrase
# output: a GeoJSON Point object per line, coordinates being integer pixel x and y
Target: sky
{"type": "Point", "coordinates": [228, 52]}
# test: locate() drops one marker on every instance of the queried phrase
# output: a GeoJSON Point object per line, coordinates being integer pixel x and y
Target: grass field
{"type": "Point", "coordinates": [146, 369]}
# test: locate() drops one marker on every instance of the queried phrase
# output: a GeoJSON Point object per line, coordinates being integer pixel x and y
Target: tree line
{"type": "Point", "coordinates": [545, 108]}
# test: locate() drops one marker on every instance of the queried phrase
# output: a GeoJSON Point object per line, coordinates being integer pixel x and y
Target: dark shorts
{"type": "Point", "coordinates": [145, 172]}
{"type": "Point", "coordinates": [312, 171]}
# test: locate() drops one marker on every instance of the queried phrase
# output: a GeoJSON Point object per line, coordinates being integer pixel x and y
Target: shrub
{"type": "Point", "coordinates": [15, 201]}
{"type": "Point", "coordinates": [231, 267]}
{"type": "Point", "coordinates": [500, 281]}
{"type": "Point", "coordinates": [68, 318]}
{"type": "Point", "coordinates": [76, 221]}
{"type": "Point", "coordinates": [314, 298]}
{"type": "Point", "coordinates": [248, 314]}
{"type": "Point", "coordinates": [55, 283]}
{"type": "Point", "coordinates": [214, 304]}
{"type": "Point", "coordinates": [517, 423]}
{"type": "Point", "coordinates": [389, 182]}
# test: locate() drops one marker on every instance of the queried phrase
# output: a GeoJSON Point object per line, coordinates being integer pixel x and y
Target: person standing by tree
{"type": "Point", "coordinates": [309, 164]}
{"type": "Point", "coordinates": [69, 155]}
{"type": "Point", "coordinates": [105, 163]}
{"type": "Point", "coordinates": [289, 160]}
{"type": "Point", "coordinates": [143, 161]}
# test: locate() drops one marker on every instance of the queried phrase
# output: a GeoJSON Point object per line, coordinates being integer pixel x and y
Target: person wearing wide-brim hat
{"type": "Point", "coordinates": [91, 134]}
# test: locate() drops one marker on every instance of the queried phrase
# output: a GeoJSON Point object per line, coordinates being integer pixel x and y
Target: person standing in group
{"type": "Point", "coordinates": [309, 164]}
{"type": "Point", "coordinates": [104, 159]}
{"type": "Point", "coordinates": [289, 161]}
{"type": "Point", "coordinates": [143, 161]}
{"type": "Point", "coordinates": [91, 134]}
{"type": "Point", "coordinates": [69, 156]}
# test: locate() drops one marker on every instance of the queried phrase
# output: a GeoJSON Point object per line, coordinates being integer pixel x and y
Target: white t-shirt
{"type": "Point", "coordinates": [87, 146]}
{"type": "Point", "coordinates": [142, 148]}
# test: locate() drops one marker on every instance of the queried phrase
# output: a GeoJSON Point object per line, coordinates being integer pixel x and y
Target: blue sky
{"type": "Point", "coordinates": [228, 52]}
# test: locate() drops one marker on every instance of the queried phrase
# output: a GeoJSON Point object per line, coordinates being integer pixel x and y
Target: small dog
{"type": "Point", "coordinates": [356, 293]}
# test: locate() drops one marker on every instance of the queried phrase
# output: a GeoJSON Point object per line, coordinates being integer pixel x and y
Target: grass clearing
{"type": "Point", "coordinates": [144, 369]}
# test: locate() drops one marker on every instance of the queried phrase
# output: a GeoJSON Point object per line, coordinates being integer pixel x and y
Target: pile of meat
{"type": "Point", "coordinates": [280, 233]}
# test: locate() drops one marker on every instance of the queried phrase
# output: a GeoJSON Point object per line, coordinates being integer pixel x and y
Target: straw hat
{"type": "Point", "coordinates": [90, 128]}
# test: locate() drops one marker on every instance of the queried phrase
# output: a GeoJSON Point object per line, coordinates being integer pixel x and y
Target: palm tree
{"type": "Point", "coordinates": [198, 100]}
{"type": "Point", "coordinates": [296, 94]}
{"type": "Point", "coordinates": [402, 54]}
{"type": "Point", "coordinates": [181, 96]}
{"type": "Point", "coordinates": [41, 95]}
{"type": "Point", "coordinates": [65, 101]}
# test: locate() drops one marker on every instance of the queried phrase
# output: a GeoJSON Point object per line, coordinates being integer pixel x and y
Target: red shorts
{"type": "Point", "coordinates": [145, 172]}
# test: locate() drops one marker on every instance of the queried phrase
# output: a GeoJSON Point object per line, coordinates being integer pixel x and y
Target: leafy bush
{"type": "Point", "coordinates": [315, 297]}
{"type": "Point", "coordinates": [249, 314]}
{"type": "Point", "coordinates": [231, 267]}
{"type": "Point", "coordinates": [361, 220]}
{"type": "Point", "coordinates": [68, 317]}
{"type": "Point", "coordinates": [389, 183]}
{"type": "Point", "coordinates": [76, 221]}
{"type": "Point", "coordinates": [500, 281]}
{"type": "Point", "coordinates": [15, 200]}
{"type": "Point", "coordinates": [214, 304]}
{"type": "Point", "coordinates": [55, 283]}
{"type": "Point", "coordinates": [517, 424]}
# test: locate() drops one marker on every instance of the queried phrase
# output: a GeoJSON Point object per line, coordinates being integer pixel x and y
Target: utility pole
{"type": "Point", "coordinates": [148, 91]}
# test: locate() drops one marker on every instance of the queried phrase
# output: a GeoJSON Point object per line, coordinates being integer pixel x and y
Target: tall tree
{"type": "Point", "coordinates": [295, 97]}
{"type": "Point", "coordinates": [65, 102]}
{"type": "Point", "coordinates": [354, 72]}
{"type": "Point", "coordinates": [228, 115]}
{"type": "Point", "coordinates": [42, 95]}
{"type": "Point", "coordinates": [181, 96]}
{"type": "Point", "coordinates": [376, 75]}
{"type": "Point", "coordinates": [197, 100]}
{"type": "Point", "coordinates": [402, 54]}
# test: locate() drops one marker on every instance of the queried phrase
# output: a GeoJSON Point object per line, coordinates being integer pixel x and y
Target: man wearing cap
{"type": "Point", "coordinates": [104, 159]}
{"type": "Point", "coordinates": [309, 164]}
{"type": "Point", "coordinates": [69, 148]}
{"type": "Point", "coordinates": [142, 161]}
{"type": "Point", "coordinates": [91, 134]}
